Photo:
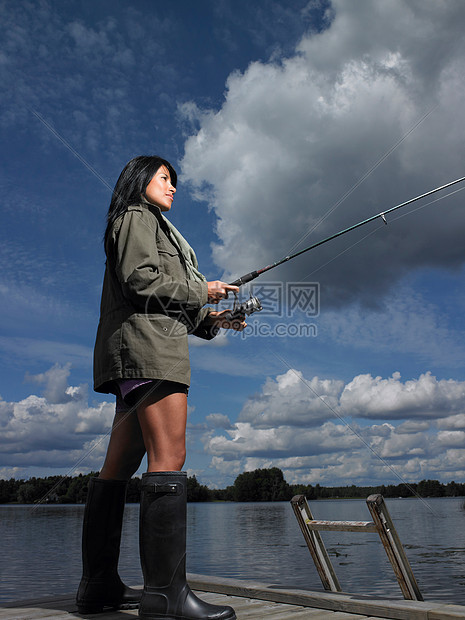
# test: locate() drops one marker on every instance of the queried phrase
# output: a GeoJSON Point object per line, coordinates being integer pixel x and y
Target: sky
{"type": "Point", "coordinates": [287, 121]}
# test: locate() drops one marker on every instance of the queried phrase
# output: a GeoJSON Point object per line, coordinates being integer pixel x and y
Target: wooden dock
{"type": "Point", "coordinates": [256, 601]}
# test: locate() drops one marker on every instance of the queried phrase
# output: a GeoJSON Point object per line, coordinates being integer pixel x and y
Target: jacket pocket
{"type": "Point", "coordinates": [166, 248]}
{"type": "Point", "coordinates": [155, 346]}
{"type": "Point", "coordinates": [171, 262]}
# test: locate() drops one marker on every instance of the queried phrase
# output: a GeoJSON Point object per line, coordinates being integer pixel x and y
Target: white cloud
{"type": "Point", "coordinates": [413, 426]}
{"type": "Point", "coordinates": [290, 399]}
{"type": "Point", "coordinates": [226, 467]}
{"type": "Point", "coordinates": [58, 429]}
{"type": "Point", "coordinates": [453, 422]}
{"type": "Point", "coordinates": [403, 446]}
{"type": "Point", "coordinates": [246, 440]}
{"type": "Point", "coordinates": [425, 397]}
{"type": "Point", "coordinates": [218, 420]}
{"type": "Point", "coordinates": [293, 137]}
{"type": "Point", "coordinates": [286, 425]}
{"type": "Point", "coordinates": [452, 439]}
{"type": "Point", "coordinates": [56, 384]}
{"type": "Point", "coordinates": [10, 472]}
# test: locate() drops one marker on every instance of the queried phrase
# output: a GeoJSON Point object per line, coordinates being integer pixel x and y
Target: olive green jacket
{"type": "Point", "coordinates": [148, 304]}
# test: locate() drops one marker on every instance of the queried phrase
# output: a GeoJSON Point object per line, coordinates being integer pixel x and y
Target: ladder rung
{"type": "Point", "coordinates": [340, 526]}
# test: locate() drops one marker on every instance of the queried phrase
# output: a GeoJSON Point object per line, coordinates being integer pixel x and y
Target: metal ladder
{"type": "Point", "coordinates": [381, 524]}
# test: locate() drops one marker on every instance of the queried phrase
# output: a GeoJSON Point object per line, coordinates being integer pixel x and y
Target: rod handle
{"type": "Point", "coordinates": [247, 278]}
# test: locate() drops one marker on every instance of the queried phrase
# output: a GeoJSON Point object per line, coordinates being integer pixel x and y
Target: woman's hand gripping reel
{"type": "Point", "coordinates": [241, 310]}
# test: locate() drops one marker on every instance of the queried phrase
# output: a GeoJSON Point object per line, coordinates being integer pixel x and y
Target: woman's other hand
{"type": "Point", "coordinates": [219, 319]}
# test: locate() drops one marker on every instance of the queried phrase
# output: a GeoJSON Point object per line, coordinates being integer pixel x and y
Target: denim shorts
{"type": "Point", "coordinates": [130, 391]}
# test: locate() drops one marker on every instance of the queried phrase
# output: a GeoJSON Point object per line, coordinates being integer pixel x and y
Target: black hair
{"type": "Point", "coordinates": [132, 183]}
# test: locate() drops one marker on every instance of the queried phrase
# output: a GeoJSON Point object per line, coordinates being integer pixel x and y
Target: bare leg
{"type": "Point", "coordinates": [163, 424]}
{"type": "Point", "coordinates": [126, 448]}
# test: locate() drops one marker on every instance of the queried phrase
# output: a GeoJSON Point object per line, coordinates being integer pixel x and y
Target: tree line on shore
{"type": "Point", "coordinates": [261, 485]}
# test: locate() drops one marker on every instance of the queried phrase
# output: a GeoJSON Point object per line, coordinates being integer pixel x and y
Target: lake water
{"type": "Point", "coordinates": [40, 547]}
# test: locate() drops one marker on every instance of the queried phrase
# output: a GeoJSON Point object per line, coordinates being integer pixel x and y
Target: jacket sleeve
{"type": "Point", "coordinates": [150, 276]}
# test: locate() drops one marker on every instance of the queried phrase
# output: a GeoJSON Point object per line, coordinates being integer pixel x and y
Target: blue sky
{"type": "Point", "coordinates": [287, 121]}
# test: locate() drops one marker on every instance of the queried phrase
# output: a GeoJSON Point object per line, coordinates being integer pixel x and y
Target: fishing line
{"type": "Point", "coordinates": [365, 176]}
{"type": "Point", "coordinates": [70, 148]}
{"type": "Point", "coordinates": [356, 433]}
{"type": "Point", "coordinates": [75, 153]}
{"type": "Point", "coordinates": [255, 274]}
{"type": "Point", "coordinates": [379, 228]}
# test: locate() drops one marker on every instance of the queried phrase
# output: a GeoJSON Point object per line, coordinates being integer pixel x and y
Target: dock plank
{"type": "Point", "coordinates": [253, 608]}
{"type": "Point", "coordinates": [26, 613]}
{"type": "Point", "coordinates": [246, 609]}
{"type": "Point", "coordinates": [368, 606]}
{"type": "Point", "coordinates": [447, 612]}
{"type": "Point", "coordinates": [31, 613]}
{"type": "Point", "coordinates": [255, 601]}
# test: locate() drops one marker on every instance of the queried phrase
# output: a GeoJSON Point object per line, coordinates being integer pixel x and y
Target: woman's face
{"type": "Point", "coordinates": [159, 191]}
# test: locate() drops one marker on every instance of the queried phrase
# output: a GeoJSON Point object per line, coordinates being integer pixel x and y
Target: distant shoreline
{"type": "Point", "coordinates": [260, 485]}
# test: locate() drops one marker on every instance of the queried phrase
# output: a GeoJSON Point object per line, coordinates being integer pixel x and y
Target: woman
{"type": "Point", "coordinates": [153, 296]}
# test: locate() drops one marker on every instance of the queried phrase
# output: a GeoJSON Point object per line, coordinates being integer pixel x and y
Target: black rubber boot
{"type": "Point", "coordinates": [101, 585]}
{"type": "Point", "coordinates": [163, 553]}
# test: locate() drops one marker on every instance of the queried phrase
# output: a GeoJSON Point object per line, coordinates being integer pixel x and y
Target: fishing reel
{"type": "Point", "coordinates": [241, 310]}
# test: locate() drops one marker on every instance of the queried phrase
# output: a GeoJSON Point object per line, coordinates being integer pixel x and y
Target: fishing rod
{"type": "Point", "coordinates": [253, 304]}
